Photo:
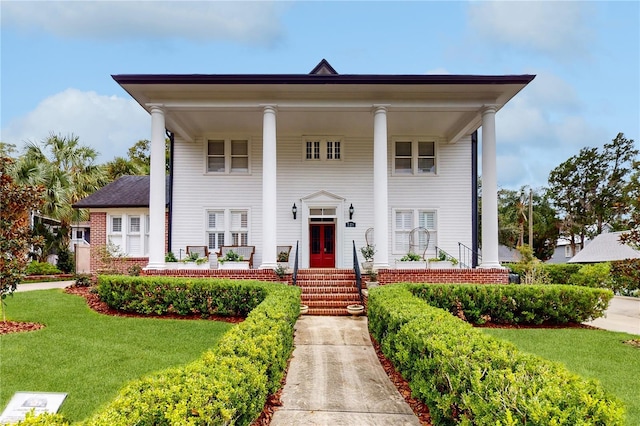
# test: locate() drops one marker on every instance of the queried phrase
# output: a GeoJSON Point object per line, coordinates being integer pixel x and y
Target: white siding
{"type": "Point", "coordinates": [350, 178]}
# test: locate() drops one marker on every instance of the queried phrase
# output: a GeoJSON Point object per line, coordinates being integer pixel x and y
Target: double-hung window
{"type": "Point", "coordinates": [134, 236]}
{"type": "Point", "coordinates": [228, 156]}
{"type": "Point", "coordinates": [215, 229]}
{"type": "Point", "coordinates": [129, 234]}
{"type": "Point", "coordinates": [239, 228]}
{"type": "Point", "coordinates": [115, 231]}
{"type": "Point", "coordinates": [406, 236]}
{"type": "Point", "coordinates": [230, 227]}
{"type": "Point", "coordinates": [414, 157]}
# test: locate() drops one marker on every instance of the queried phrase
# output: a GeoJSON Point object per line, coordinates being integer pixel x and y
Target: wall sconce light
{"type": "Point", "coordinates": [294, 210]}
{"type": "Point", "coordinates": [351, 210]}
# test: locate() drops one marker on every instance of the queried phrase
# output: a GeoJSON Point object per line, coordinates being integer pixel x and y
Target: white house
{"type": "Point", "coordinates": [317, 159]}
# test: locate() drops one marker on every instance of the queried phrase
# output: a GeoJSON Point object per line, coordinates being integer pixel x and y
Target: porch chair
{"type": "Point", "coordinates": [203, 251]}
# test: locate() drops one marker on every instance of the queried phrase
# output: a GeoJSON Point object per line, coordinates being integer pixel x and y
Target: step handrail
{"type": "Point", "coordinates": [295, 267]}
{"type": "Point", "coordinates": [356, 268]}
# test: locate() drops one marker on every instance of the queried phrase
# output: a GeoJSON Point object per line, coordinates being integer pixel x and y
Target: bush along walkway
{"type": "Point", "coordinates": [467, 377]}
{"type": "Point", "coordinates": [335, 378]}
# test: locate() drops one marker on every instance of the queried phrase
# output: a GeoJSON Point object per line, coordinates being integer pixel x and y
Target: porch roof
{"type": "Point", "coordinates": [126, 191]}
{"type": "Point", "coordinates": [444, 106]}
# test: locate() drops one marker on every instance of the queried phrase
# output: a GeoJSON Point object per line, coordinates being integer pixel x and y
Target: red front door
{"type": "Point", "coordinates": [323, 244]}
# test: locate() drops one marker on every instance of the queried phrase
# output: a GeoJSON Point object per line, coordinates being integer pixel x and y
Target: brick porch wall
{"type": "Point", "coordinates": [456, 276]}
{"type": "Point", "coordinates": [238, 274]}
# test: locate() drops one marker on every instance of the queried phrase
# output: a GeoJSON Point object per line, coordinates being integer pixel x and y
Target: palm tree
{"type": "Point", "coordinates": [68, 172]}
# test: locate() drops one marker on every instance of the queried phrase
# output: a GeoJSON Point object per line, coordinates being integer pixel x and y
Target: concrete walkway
{"type": "Point", "coordinates": [44, 286]}
{"type": "Point", "coordinates": [623, 314]}
{"type": "Point", "coordinates": [335, 378]}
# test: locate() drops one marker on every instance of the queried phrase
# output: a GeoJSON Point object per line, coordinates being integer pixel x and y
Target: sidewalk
{"type": "Point", "coordinates": [335, 378]}
{"type": "Point", "coordinates": [44, 286]}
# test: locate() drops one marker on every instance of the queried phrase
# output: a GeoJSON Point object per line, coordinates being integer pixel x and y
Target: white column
{"type": "Point", "coordinates": [269, 192]}
{"type": "Point", "coordinates": [157, 190]}
{"type": "Point", "coordinates": [489, 190]}
{"type": "Point", "coordinates": [380, 191]}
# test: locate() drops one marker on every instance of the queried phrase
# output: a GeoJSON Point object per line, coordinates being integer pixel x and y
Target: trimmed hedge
{"type": "Point", "coordinates": [517, 304]}
{"type": "Point", "coordinates": [229, 385]}
{"type": "Point", "coordinates": [41, 268]}
{"type": "Point", "coordinates": [183, 296]}
{"type": "Point", "coordinates": [469, 378]}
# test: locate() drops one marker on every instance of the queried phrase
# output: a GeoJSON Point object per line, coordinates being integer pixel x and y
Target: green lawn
{"type": "Point", "coordinates": [594, 354]}
{"type": "Point", "coordinates": [88, 355]}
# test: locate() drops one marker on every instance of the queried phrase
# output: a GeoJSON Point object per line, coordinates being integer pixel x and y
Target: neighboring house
{"type": "Point", "coordinates": [316, 159]}
{"type": "Point", "coordinates": [563, 252]}
{"type": "Point", "coordinates": [605, 247]}
{"type": "Point", "coordinates": [119, 214]}
{"type": "Point", "coordinates": [80, 234]}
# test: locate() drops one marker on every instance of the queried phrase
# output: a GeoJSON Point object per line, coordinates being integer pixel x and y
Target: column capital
{"type": "Point", "coordinates": [269, 108]}
{"type": "Point", "coordinates": [155, 107]}
{"type": "Point", "coordinates": [488, 109]}
{"type": "Point", "coordinates": [380, 108]}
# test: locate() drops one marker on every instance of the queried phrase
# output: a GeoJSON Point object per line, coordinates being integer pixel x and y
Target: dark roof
{"type": "Point", "coordinates": [323, 73]}
{"type": "Point", "coordinates": [126, 191]}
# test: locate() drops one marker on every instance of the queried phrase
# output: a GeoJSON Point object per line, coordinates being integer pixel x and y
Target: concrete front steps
{"type": "Point", "coordinates": [328, 291]}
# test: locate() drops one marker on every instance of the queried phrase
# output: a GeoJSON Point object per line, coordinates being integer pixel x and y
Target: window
{"type": "Point", "coordinates": [130, 234]}
{"type": "Point", "coordinates": [215, 230]}
{"type": "Point", "coordinates": [333, 150]}
{"type": "Point", "coordinates": [227, 156]}
{"type": "Point", "coordinates": [405, 221]}
{"type": "Point", "coordinates": [414, 157]}
{"type": "Point", "coordinates": [326, 148]}
{"type": "Point", "coordinates": [147, 226]}
{"type": "Point", "coordinates": [568, 252]}
{"type": "Point", "coordinates": [313, 150]}
{"type": "Point", "coordinates": [134, 238]}
{"type": "Point", "coordinates": [115, 230]}
{"type": "Point", "coordinates": [227, 227]}
{"type": "Point", "coordinates": [239, 228]}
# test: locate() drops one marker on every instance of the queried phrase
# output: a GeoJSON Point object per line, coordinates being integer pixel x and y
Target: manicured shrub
{"type": "Point", "coordinates": [560, 273]}
{"type": "Point", "coordinates": [66, 260]}
{"type": "Point", "coordinates": [469, 378]}
{"type": "Point", "coordinates": [228, 385]}
{"type": "Point", "coordinates": [42, 268]}
{"type": "Point", "coordinates": [45, 419]}
{"type": "Point", "coordinates": [516, 304]}
{"type": "Point", "coordinates": [597, 275]}
{"type": "Point", "coordinates": [183, 296]}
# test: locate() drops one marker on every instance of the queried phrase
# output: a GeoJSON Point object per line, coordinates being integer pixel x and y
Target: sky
{"type": "Point", "coordinates": [57, 58]}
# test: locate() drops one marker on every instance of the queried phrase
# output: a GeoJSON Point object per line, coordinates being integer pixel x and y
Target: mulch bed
{"type": "Point", "coordinates": [7, 327]}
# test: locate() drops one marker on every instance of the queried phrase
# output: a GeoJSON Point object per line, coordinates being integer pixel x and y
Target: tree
{"type": "Point", "coordinates": [16, 204]}
{"type": "Point", "coordinates": [588, 189]}
{"type": "Point", "coordinates": [120, 166]}
{"type": "Point", "coordinates": [513, 219]}
{"type": "Point", "coordinates": [67, 171]}
{"type": "Point", "coordinates": [632, 205]}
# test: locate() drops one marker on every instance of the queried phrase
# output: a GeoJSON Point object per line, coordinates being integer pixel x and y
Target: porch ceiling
{"type": "Point", "coordinates": [448, 111]}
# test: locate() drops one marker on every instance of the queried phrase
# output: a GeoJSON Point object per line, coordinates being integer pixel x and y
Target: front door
{"type": "Point", "coordinates": [323, 242]}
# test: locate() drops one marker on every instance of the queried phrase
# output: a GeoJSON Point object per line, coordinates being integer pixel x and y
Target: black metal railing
{"type": "Point", "coordinates": [295, 267]}
{"type": "Point", "coordinates": [468, 257]}
{"type": "Point", "coordinates": [356, 268]}
{"type": "Point", "coordinates": [441, 253]}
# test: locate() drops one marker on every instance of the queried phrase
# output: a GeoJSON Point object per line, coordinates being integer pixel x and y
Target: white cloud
{"type": "Point", "coordinates": [254, 22]}
{"type": "Point", "coordinates": [108, 124]}
{"type": "Point", "coordinates": [552, 27]}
